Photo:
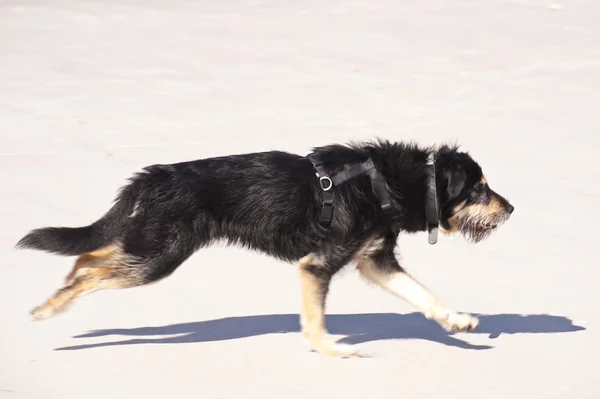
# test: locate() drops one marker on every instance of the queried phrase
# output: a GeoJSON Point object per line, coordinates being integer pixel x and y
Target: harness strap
{"type": "Point", "coordinates": [326, 185]}
{"type": "Point", "coordinates": [349, 172]}
{"type": "Point", "coordinates": [380, 190]}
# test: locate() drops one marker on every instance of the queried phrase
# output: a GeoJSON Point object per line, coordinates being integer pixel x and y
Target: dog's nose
{"type": "Point", "coordinates": [511, 209]}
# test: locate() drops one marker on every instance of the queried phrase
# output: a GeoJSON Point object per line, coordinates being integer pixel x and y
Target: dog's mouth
{"type": "Point", "coordinates": [475, 228]}
{"type": "Point", "coordinates": [476, 233]}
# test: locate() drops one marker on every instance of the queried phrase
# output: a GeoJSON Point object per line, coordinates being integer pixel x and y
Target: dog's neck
{"type": "Point", "coordinates": [411, 177]}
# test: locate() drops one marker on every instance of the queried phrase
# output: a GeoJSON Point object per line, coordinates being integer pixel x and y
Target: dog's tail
{"type": "Point", "coordinates": [69, 241]}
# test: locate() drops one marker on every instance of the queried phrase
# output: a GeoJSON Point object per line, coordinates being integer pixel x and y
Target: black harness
{"type": "Point", "coordinates": [327, 183]}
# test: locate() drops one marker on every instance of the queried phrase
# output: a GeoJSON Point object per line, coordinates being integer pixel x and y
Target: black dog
{"type": "Point", "coordinates": [275, 203]}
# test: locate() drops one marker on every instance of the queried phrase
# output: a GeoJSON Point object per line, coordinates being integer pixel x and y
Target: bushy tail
{"type": "Point", "coordinates": [71, 241]}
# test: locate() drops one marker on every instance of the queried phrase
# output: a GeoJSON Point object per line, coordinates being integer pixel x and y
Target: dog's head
{"type": "Point", "coordinates": [467, 204]}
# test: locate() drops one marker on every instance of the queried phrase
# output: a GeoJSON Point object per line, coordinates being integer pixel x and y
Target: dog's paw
{"type": "Point", "coordinates": [338, 350]}
{"type": "Point", "coordinates": [41, 313]}
{"type": "Point", "coordinates": [329, 348]}
{"type": "Point", "coordinates": [459, 322]}
{"type": "Point", "coordinates": [47, 310]}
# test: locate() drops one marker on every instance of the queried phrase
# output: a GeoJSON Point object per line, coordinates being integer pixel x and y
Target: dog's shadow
{"type": "Point", "coordinates": [358, 328]}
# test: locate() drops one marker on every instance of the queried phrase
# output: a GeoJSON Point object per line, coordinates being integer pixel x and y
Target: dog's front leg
{"type": "Point", "coordinates": [390, 276]}
{"type": "Point", "coordinates": [315, 276]}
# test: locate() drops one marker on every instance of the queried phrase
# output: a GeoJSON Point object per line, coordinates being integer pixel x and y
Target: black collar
{"type": "Point", "coordinates": [431, 202]}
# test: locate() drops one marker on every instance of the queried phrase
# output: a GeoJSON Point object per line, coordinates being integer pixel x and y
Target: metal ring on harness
{"type": "Point", "coordinates": [328, 183]}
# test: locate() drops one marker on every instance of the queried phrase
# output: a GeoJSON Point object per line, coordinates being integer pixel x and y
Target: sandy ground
{"type": "Point", "coordinates": [91, 91]}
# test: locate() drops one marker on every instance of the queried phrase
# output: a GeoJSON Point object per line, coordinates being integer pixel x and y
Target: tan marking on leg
{"type": "Point", "coordinates": [105, 252]}
{"type": "Point", "coordinates": [90, 258]}
{"type": "Point", "coordinates": [369, 248]}
{"type": "Point", "coordinates": [308, 285]}
{"type": "Point", "coordinates": [404, 286]}
{"type": "Point", "coordinates": [92, 272]}
{"type": "Point", "coordinates": [312, 319]}
{"type": "Point", "coordinates": [312, 260]}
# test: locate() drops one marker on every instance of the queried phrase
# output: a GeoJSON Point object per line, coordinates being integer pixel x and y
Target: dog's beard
{"type": "Point", "coordinates": [477, 228]}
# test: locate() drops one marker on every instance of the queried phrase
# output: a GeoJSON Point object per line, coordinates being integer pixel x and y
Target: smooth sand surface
{"type": "Point", "coordinates": [91, 91]}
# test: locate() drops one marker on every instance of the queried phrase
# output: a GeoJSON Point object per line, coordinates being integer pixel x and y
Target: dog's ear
{"type": "Point", "coordinates": [456, 181]}
{"type": "Point", "coordinates": [450, 166]}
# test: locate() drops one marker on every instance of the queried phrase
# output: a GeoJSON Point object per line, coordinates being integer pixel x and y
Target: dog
{"type": "Point", "coordinates": [273, 202]}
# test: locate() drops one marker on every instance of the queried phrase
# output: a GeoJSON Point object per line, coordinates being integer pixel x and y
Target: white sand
{"type": "Point", "coordinates": [91, 91]}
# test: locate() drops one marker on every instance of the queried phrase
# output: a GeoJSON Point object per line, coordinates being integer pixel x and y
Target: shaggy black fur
{"type": "Point", "coordinates": [270, 202]}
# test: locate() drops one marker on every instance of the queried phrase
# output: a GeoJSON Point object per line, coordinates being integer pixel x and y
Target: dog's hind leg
{"type": "Point", "coordinates": [387, 273]}
{"type": "Point", "coordinates": [315, 276]}
{"type": "Point", "coordinates": [90, 259]}
{"type": "Point", "coordinates": [134, 262]}
{"type": "Point", "coordinates": [107, 268]}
